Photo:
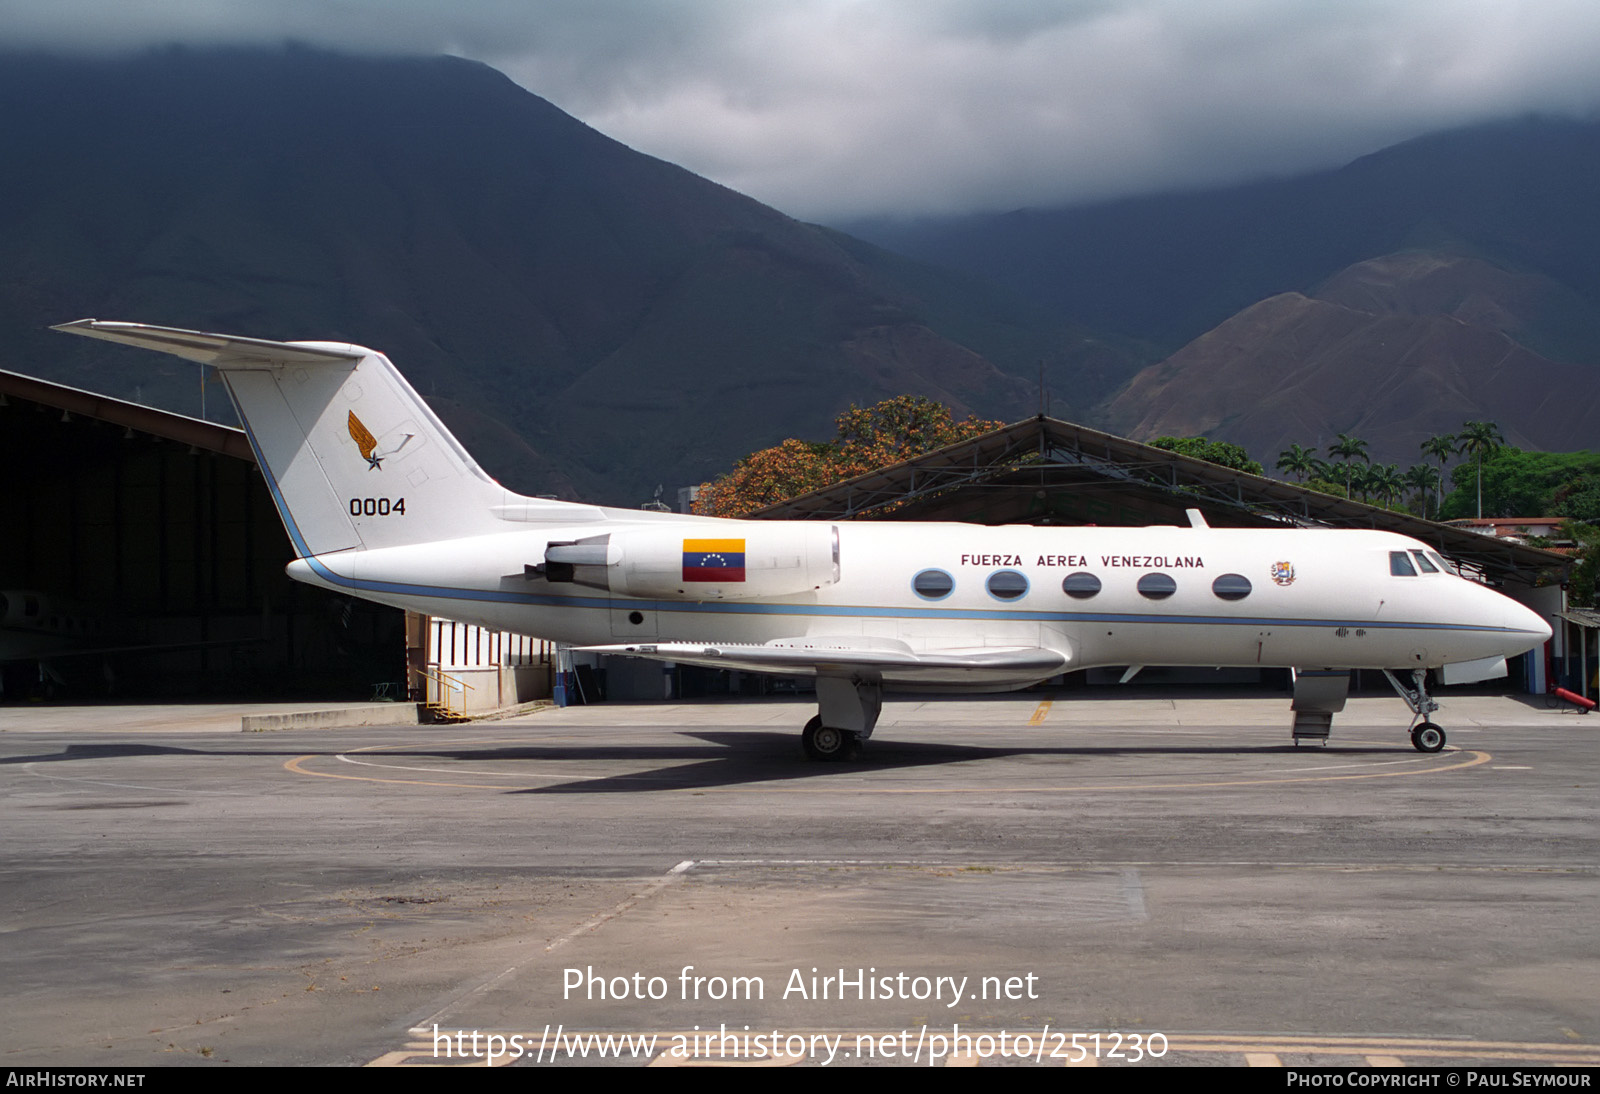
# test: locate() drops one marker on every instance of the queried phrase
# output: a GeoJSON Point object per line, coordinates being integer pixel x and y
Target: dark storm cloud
{"type": "Point", "coordinates": [833, 108]}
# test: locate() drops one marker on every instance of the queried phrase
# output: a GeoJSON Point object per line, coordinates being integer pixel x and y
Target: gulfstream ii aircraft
{"type": "Point", "coordinates": [382, 502]}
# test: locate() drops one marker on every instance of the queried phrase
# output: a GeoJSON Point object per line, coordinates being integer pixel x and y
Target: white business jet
{"type": "Point", "coordinates": [382, 502]}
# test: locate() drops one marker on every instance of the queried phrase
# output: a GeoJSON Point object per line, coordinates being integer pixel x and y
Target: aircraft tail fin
{"type": "Point", "coordinates": [353, 456]}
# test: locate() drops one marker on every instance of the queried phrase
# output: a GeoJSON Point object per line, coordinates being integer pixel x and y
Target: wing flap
{"type": "Point", "coordinates": [893, 662]}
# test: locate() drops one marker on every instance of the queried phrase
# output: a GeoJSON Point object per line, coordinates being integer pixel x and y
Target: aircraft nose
{"type": "Point", "coordinates": [1538, 623]}
{"type": "Point", "coordinates": [1526, 627]}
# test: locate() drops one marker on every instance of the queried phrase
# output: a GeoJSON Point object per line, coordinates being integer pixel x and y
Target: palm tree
{"type": "Point", "coordinates": [1348, 448]}
{"type": "Point", "coordinates": [1440, 448]}
{"type": "Point", "coordinates": [1355, 481]}
{"type": "Point", "coordinates": [1387, 482]}
{"type": "Point", "coordinates": [1479, 439]}
{"type": "Point", "coordinates": [1297, 461]}
{"type": "Point", "coordinates": [1424, 480]}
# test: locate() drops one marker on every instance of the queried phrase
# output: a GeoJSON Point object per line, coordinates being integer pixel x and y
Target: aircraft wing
{"type": "Point", "coordinates": [209, 349]}
{"type": "Point", "coordinates": [886, 660]}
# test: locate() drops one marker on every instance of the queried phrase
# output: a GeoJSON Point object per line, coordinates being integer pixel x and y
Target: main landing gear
{"type": "Point", "coordinates": [1426, 736]}
{"type": "Point", "coordinates": [847, 711]}
{"type": "Point", "coordinates": [827, 743]}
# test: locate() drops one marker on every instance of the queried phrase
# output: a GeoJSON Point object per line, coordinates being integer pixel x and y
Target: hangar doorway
{"type": "Point", "coordinates": [148, 548]}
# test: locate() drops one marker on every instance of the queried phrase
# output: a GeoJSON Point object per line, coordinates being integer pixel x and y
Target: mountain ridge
{"type": "Point", "coordinates": [633, 323]}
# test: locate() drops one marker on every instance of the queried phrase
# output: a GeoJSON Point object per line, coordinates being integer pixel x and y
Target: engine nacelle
{"type": "Point", "coordinates": [686, 562]}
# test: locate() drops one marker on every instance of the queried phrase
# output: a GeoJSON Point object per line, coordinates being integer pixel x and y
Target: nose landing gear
{"type": "Point", "coordinates": [1426, 736]}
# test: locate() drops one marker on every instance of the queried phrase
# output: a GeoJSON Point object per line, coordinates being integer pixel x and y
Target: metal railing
{"type": "Point", "coordinates": [447, 697]}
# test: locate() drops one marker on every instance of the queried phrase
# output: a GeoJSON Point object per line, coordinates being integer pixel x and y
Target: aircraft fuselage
{"type": "Point", "coordinates": [1292, 597]}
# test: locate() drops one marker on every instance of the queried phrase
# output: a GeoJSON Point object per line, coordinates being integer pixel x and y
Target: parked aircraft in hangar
{"type": "Point", "coordinates": [382, 502]}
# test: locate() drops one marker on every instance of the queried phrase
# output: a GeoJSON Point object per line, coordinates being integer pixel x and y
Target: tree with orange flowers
{"type": "Point", "coordinates": [866, 439]}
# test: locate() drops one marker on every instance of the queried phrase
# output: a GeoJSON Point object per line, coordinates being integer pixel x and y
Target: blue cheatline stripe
{"type": "Point", "coordinates": [497, 596]}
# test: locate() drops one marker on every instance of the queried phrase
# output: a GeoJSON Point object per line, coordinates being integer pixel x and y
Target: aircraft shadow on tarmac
{"type": "Point", "coordinates": [749, 758]}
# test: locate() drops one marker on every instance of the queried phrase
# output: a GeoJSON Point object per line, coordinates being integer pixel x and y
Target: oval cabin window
{"type": "Point", "coordinates": [1231, 586]}
{"type": "Point", "coordinates": [1007, 585]}
{"type": "Point", "coordinates": [1081, 585]}
{"type": "Point", "coordinates": [1157, 586]}
{"type": "Point", "coordinates": [933, 584]}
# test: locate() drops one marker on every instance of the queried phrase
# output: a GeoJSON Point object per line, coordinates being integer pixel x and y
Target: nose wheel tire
{"type": "Point", "coordinates": [826, 743]}
{"type": "Point", "coordinates": [1427, 737]}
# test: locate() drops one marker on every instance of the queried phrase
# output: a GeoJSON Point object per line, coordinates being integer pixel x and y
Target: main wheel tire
{"type": "Point", "coordinates": [1427, 737]}
{"type": "Point", "coordinates": [825, 743]}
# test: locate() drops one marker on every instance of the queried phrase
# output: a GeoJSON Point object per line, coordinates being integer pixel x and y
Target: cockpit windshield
{"type": "Point", "coordinates": [1400, 565]}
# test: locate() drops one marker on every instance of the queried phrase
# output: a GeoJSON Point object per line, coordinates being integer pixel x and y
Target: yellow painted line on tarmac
{"type": "Point", "coordinates": [1262, 1059]}
{"type": "Point", "coordinates": [1040, 713]}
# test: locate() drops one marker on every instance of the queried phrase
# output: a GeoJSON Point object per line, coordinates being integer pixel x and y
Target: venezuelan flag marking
{"type": "Point", "coordinates": [713, 560]}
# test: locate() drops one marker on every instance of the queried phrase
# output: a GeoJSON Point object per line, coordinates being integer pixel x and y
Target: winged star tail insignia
{"type": "Point", "coordinates": [366, 442]}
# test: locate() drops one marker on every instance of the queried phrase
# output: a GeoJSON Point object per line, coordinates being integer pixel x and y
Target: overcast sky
{"type": "Point", "coordinates": [830, 109]}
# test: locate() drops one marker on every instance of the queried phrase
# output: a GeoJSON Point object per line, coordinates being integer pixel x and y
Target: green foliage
{"type": "Point", "coordinates": [1218, 452]}
{"type": "Point", "coordinates": [1581, 584]}
{"type": "Point", "coordinates": [1527, 484]}
{"type": "Point", "coordinates": [1386, 483]}
{"type": "Point", "coordinates": [1297, 461]}
{"type": "Point", "coordinates": [1441, 448]}
{"type": "Point", "coordinates": [1426, 481]}
{"type": "Point", "coordinates": [1578, 498]}
{"type": "Point", "coordinates": [1348, 448]}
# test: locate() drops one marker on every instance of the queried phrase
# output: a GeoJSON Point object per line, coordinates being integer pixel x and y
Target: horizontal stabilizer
{"type": "Point", "coordinates": [212, 349]}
